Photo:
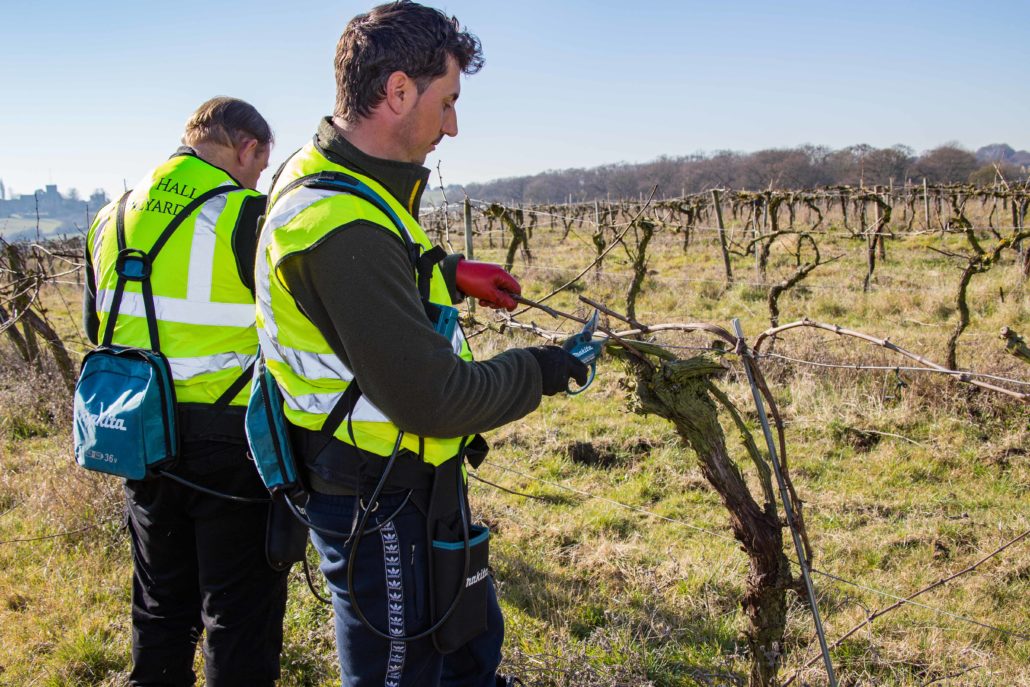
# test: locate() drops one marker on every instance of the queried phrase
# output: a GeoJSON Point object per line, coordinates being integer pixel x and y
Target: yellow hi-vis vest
{"type": "Point", "coordinates": [311, 377]}
{"type": "Point", "coordinates": [205, 314]}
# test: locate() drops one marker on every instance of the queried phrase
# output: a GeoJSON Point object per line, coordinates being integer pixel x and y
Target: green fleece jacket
{"type": "Point", "coordinates": [357, 287]}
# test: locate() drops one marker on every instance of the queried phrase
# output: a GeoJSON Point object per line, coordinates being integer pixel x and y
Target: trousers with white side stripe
{"type": "Point", "coordinates": [391, 583]}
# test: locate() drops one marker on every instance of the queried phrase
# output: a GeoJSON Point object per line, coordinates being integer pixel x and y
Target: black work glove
{"type": "Point", "coordinates": [557, 367]}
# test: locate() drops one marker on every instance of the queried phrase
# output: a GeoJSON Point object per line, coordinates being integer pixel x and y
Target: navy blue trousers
{"type": "Point", "coordinates": [199, 565]}
{"type": "Point", "coordinates": [391, 585]}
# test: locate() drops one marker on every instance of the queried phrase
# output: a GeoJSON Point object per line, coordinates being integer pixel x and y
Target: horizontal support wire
{"type": "Point", "coordinates": [908, 602]}
{"type": "Point", "coordinates": [857, 234]}
{"type": "Point", "coordinates": [873, 288]}
{"type": "Point", "coordinates": [895, 368]}
{"type": "Point", "coordinates": [587, 494]}
{"type": "Point", "coordinates": [859, 585]}
{"type": "Point", "coordinates": [67, 533]}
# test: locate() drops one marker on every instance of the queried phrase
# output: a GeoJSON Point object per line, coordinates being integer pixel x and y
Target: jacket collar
{"type": "Point", "coordinates": [404, 180]}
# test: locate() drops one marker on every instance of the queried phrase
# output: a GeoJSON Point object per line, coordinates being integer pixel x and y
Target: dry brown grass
{"type": "Point", "coordinates": [903, 483]}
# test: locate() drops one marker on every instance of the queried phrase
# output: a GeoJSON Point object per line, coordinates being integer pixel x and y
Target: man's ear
{"type": "Point", "coordinates": [401, 93]}
{"type": "Point", "coordinates": [246, 151]}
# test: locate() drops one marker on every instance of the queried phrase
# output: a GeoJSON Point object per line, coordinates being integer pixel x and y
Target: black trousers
{"type": "Point", "coordinates": [199, 565]}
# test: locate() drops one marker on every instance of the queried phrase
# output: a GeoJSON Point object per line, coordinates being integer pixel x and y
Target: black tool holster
{"type": "Point", "coordinates": [458, 555]}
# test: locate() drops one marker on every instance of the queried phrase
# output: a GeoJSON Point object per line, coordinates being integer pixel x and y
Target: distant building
{"type": "Point", "coordinates": [72, 214]}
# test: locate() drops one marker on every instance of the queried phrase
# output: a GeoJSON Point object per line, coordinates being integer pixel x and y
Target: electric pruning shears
{"type": "Point", "coordinates": [587, 349]}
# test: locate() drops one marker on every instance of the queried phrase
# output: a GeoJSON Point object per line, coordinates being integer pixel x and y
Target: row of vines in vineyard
{"type": "Point", "coordinates": [781, 241]}
{"type": "Point", "coordinates": [975, 228]}
{"type": "Point", "coordinates": [667, 275]}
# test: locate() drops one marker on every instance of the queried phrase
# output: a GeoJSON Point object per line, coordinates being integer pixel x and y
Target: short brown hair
{"type": "Point", "coordinates": [226, 121]}
{"type": "Point", "coordinates": [398, 36]}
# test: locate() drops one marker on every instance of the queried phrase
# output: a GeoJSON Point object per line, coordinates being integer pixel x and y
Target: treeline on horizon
{"type": "Point", "coordinates": [805, 166]}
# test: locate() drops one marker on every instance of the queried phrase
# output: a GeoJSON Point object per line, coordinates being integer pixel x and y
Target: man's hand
{"type": "Point", "coordinates": [557, 367]}
{"type": "Point", "coordinates": [487, 282]}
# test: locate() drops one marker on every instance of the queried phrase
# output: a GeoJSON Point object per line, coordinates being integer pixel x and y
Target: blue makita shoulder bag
{"type": "Point", "coordinates": [124, 410]}
{"type": "Point", "coordinates": [268, 433]}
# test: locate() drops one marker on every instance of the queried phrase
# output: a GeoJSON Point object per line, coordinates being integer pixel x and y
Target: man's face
{"type": "Point", "coordinates": [433, 115]}
{"type": "Point", "coordinates": [252, 158]}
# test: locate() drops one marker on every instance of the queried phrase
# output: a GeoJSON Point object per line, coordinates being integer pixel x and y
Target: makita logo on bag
{"type": "Point", "coordinates": [477, 578]}
{"type": "Point", "coordinates": [107, 421]}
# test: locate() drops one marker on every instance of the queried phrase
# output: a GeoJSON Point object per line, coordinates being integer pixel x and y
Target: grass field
{"type": "Point", "coordinates": [14, 228]}
{"type": "Point", "coordinates": [622, 570]}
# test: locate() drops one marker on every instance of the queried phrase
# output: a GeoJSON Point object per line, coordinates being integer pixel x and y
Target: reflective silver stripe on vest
{"type": "Point", "coordinates": [188, 368]}
{"type": "Point", "coordinates": [322, 404]}
{"type": "Point", "coordinates": [202, 250]}
{"type": "Point", "coordinates": [457, 340]}
{"type": "Point", "coordinates": [297, 201]}
{"type": "Point", "coordinates": [282, 212]}
{"type": "Point", "coordinates": [97, 236]}
{"type": "Point", "coordinates": [305, 363]}
{"type": "Point", "coordinates": [181, 310]}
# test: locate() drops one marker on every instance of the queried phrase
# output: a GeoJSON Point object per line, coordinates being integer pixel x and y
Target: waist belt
{"type": "Point", "coordinates": [209, 421]}
{"type": "Point", "coordinates": [346, 469]}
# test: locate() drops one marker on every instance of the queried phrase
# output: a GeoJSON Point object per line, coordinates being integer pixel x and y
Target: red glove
{"type": "Point", "coordinates": [487, 282]}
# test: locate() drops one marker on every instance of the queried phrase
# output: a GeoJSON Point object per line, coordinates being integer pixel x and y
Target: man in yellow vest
{"type": "Point", "coordinates": [380, 387]}
{"type": "Point", "coordinates": [199, 560]}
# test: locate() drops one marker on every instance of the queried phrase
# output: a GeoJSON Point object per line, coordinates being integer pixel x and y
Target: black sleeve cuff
{"type": "Point", "coordinates": [449, 268]}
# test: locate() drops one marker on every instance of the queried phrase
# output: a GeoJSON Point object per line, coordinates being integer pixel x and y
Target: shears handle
{"type": "Point", "coordinates": [587, 349]}
{"type": "Point", "coordinates": [590, 380]}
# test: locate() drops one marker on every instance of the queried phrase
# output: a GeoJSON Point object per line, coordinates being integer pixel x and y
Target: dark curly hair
{"type": "Point", "coordinates": [398, 36]}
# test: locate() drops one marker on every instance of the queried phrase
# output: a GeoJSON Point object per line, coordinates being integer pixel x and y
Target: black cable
{"type": "Point", "coordinates": [311, 583]}
{"type": "Point", "coordinates": [357, 540]}
{"type": "Point", "coordinates": [212, 492]}
{"type": "Point", "coordinates": [66, 533]}
{"type": "Point", "coordinates": [510, 491]}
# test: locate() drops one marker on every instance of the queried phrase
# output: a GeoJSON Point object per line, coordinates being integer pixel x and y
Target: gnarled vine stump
{"type": "Point", "coordinates": [682, 392]}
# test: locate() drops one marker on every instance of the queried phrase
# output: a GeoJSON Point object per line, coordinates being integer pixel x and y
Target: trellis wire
{"type": "Point", "coordinates": [853, 366]}
{"type": "Point", "coordinates": [874, 288]}
{"type": "Point", "coordinates": [908, 602]}
{"type": "Point", "coordinates": [898, 368]}
{"type": "Point", "coordinates": [644, 511]}
{"type": "Point", "coordinates": [559, 485]}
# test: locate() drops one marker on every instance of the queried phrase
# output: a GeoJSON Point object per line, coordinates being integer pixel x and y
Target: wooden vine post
{"type": "Point", "coordinates": [597, 237]}
{"type": "Point", "coordinates": [1019, 225]}
{"type": "Point", "coordinates": [469, 248]}
{"type": "Point", "coordinates": [926, 204]}
{"type": "Point", "coordinates": [881, 222]}
{"type": "Point", "coordinates": [756, 234]}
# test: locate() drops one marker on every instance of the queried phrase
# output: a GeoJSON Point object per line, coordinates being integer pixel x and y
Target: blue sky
{"type": "Point", "coordinates": [94, 93]}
